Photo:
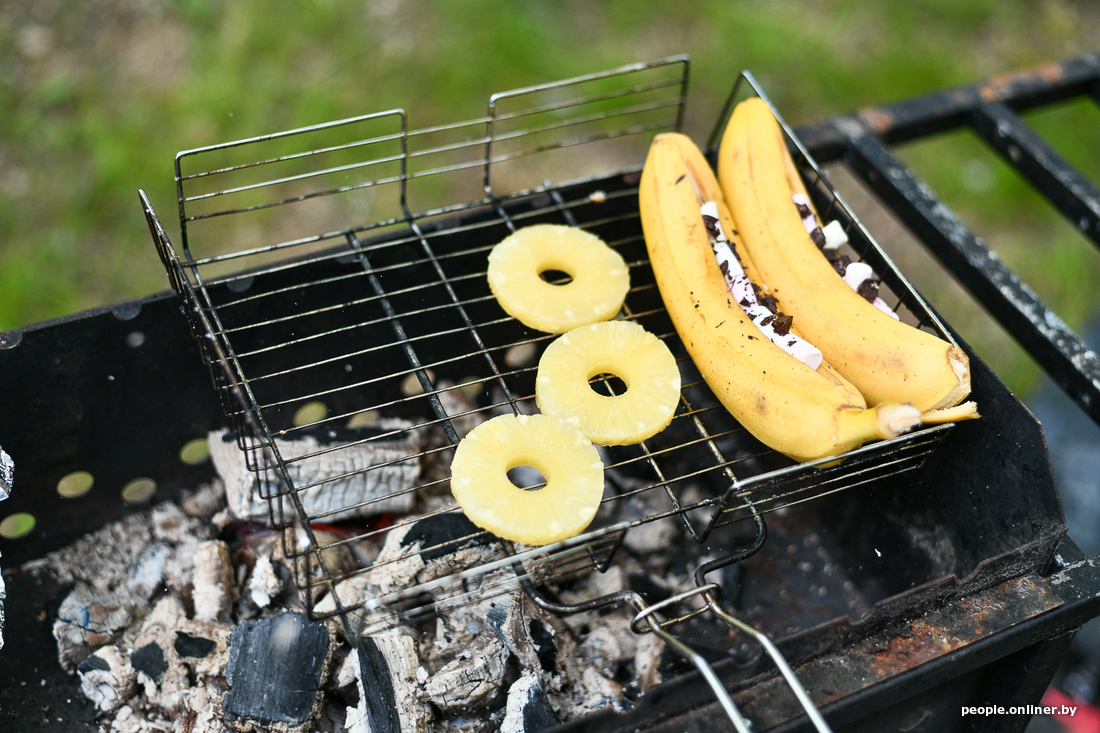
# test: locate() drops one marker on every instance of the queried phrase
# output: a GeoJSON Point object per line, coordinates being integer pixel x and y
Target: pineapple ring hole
{"type": "Point", "coordinates": [528, 473]}
{"type": "Point", "coordinates": [555, 276]}
{"type": "Point", "coordinates": [555, 270]}
{"type": "Point", "coordinates": [608, 383]}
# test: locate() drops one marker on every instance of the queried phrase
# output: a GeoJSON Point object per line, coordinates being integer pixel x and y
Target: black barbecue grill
{"type": "Point", "coordinates": [328, 300]}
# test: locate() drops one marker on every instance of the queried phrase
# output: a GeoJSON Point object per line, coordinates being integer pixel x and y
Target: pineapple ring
{"type": "Point", "coordinates": [600, 281]}
{"type": "Point", "coordinates": [631, 353]}
{"type": "Point", "coordinates": [569, 462]}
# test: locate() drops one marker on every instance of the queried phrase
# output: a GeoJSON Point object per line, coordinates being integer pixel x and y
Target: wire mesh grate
{"type": "Point", "coordinates": [334, 277]}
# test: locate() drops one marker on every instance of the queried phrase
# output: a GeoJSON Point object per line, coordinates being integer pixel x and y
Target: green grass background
{"type": "Point", "coordinates": [96, 98]}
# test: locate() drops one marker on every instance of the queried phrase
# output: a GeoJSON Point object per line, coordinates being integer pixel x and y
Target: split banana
{"type": "Point", "coordinates": [886, 359]}
{"type": "Point", "coordinates": [802, 412]}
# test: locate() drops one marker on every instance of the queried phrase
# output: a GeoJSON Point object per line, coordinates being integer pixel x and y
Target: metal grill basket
{"type": "Point", "coordinates": [334, 277]}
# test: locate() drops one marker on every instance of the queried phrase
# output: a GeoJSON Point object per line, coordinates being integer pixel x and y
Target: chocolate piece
{"type": "Point", "coordinates": [840, 264]}
{"type": "Point", "coordinates": [711, 225]}
{"type": "Point", "coordinates": [766, 320]}
{"type": "Point", "coordinates": [783, 324]}
{"type": "Point", "coordinates": [818, 236]}
{"type": "Point", "coordinates": [803, 210]}
{"type": "Point", "coordinates": [868, 289]}
{"type": "Point", "coordinates": [769, 302]}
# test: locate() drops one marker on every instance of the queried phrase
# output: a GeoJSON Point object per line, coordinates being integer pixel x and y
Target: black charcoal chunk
{"type": "Point", "coordinates": [92, 664]}
{"type": "Point", "coordinates": [7, 474]}
{"type": "Point", "coordinates": [150, 660]}
{"type": "Point", "coordinates": [107, 678]}
{"type": "Point", "coordinates": [546, 649]}
{"type": "Point", "coordinates": [276, 667]}
{"type": "Point", "coordinates": [442, 534]}
{"type": "Point", "coordinates": [528, 709]}
{"type": "Point", "coordinates": [381, 703]}
{"type": "Point", "coordinates": [193, 646]}
{"type": "Point", "coordinates": [387, 667]}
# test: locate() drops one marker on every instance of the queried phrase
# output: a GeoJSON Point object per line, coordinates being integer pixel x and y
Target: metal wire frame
{"type": "Point", "coordinates": [762, 491]}
{"type": "Point", "coordinates": [398, 288]}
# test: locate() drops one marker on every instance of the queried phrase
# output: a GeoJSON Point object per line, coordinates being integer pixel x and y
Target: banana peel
{"type": "Point", "coordinates": [887, 360]}
{"type": "Point", "coordinates": [805, 414]}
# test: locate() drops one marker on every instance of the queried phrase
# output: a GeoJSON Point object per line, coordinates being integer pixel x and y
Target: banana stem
{"type": "Point", "coordinates": [894, 418]}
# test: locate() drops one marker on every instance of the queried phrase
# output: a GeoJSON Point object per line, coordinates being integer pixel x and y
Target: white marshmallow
{"type": "Point", "coordinates": [835, 236]}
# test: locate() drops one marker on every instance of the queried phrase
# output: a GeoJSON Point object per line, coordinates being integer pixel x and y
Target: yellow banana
{"type": "Point", "coordinates": [803, 413]}
{"type": "Point", "coordinates": [886, 359]}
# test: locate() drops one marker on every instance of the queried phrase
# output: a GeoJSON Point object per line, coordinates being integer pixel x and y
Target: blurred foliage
{"type": "Point", "coordinates": [98, 97]}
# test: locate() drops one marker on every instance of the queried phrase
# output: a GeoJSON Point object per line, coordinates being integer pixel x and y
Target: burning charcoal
{"type": "Point", "coordinates": [528, 709]}
{"type": "Point", "coordinates": [214, 587]}
{"type": "Point", "coordinates": [203, 646]}
{"type": "Point", "coordinates": [205, 501]}
{"type": "Point", "coordinates": [431, 548]}
{"type": "Point", "coordinates": [343, 469]}
{"type": "Point", "coordinates": [605, 646]}
{"type": "Point", "coordinates": [647, 660]}
{"type": "Point", "coordinates": [86, 620]}
{"type": "Point", "coordinates": [102, 559]}
{"type": "Point", "coordinates": [170, 524]}
{"type": "Point", "coordinates": [353, 592]}
{"type": "Point", "coordinates": [473, 679]}
{"type": "Point", "coordinates": [202, 711]}
{"type": "Point", "coordinates": [335, 559]}
{"type": "Point", "coordinates": [465, 416]}
{"type": "Point", "coordinates": [3, 595]}
{"type": "Point", "coordinates": [171, 650]}
{"type": "Point", "coordinates": [264, 584]}
{"type": "Point", "coordinates": [7, 474]}
{"type": "Point", "coordinates": [275, 670]}
{"type": "Point", "coordinates": [464, 412]}
{"type": "Point", "coordinates": [150, 661]}
{"type": "Point", "coordinates": [385, 668]}
{"type": "Point", "coordinates": [147, 574]}
{"type": "Point", "coordinates": [106, 678]}
{"type": "Point", "coordinates": [594, 691]}
{"type": "Point", "coordinates": [155, 664]}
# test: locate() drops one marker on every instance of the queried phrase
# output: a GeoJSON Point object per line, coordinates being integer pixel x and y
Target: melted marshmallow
{"type": "Point", "coordinates": [741, 289]}
{"type": "Point", "coordinates": [856, 273]}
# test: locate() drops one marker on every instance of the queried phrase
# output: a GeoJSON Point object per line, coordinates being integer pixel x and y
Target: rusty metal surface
{"type": "Point", "coordinates": [947, 109]}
